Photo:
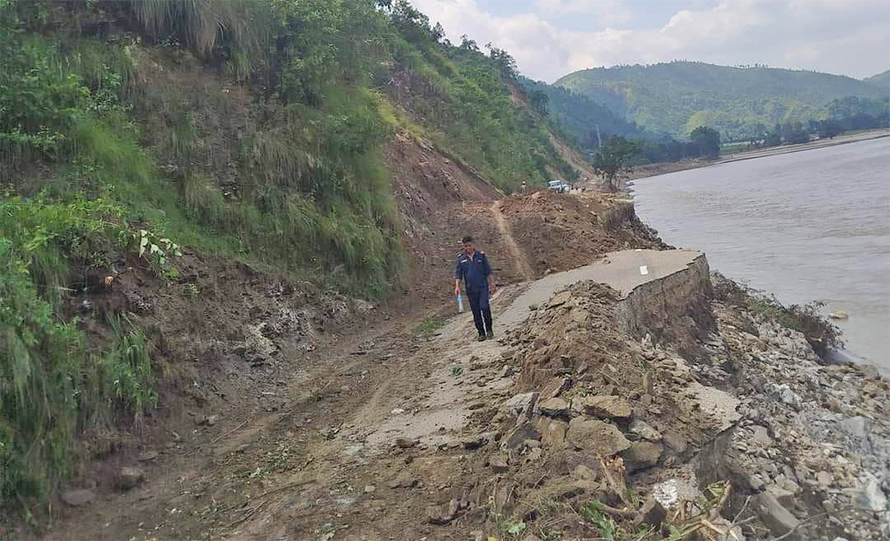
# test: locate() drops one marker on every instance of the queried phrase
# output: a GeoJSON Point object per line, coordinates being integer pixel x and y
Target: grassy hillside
{"type": "Point", "coordinates": [677, 97]}
{"type": "Point", "coordinates": [133, 131]}
{"type": "Point", "coordinates": [469, 103]}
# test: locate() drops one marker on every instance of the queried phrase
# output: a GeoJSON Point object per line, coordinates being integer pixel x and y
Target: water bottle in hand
{"type": "Point", "coordinates": [460, 303]}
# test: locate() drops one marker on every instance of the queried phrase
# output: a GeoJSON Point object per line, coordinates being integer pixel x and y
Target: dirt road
{"type": "Point", "coordinates": [405, 445]}
{"type": "Point", "coordinates": [373, 433]}
{"type": "Point", "coordinates": [507, 237]}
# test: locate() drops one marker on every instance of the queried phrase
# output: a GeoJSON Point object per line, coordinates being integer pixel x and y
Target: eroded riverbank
{"type": "Point", "coordinates": [806, 226]}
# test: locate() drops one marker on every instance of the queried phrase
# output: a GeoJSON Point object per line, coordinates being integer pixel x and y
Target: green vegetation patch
{"type": "Point", "coordinates": [740, 102]}
{"type": "Point", "coordinates": [52, 385]}
{"type": "Point", "coordinates": [241, 128]}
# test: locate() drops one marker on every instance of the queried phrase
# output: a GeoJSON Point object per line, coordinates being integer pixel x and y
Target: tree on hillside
{"type": "Point", "coordinates": [540, 101]}
{"type": "Point", "coordinates": [829, 129]}
{"type": "Point", "coordinates": [612, 161]}
{"type": "Point", "coordinates": [794, 133]}
{"type": "Point", "coordinates": [504, 61]}
{"type": "Point", "coordinates": [708, 142]}
{"type": "Point", "coordinates": [411, 23]}
{"type": "Point", "coordinates": [468, 44]}
{"type": "Point", "coordinates": [773, 137]}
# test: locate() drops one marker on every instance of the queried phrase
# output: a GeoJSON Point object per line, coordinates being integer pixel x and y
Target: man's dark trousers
{"type": "Point", "coordinates": [481, 309]}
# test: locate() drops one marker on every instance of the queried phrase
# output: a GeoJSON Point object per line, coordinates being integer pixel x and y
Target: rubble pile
{"type": "Point", "coordinates": [753, 435]}
{"type": "Point", "coordinates": [584, 227]}
{"type": "Point", "coordinates": [816, 437]}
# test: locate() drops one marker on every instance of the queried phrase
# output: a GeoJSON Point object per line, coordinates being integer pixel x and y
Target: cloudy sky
{"type": "Point", "coordinates": [550, 38]}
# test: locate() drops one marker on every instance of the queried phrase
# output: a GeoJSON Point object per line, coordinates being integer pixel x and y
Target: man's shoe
{"type": "Point", "coordinates": [481, 338]}
{"type": "Point", "coordinates": [489, 335]}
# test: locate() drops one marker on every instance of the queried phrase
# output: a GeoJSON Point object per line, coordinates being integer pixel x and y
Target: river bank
{"type": "Point", "coordinates": [768, 223]}
{"type": "Point", "coordinates": [657, 169]}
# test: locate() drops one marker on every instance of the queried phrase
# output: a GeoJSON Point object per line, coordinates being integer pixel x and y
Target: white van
{"type": "Point", "coordinates": [558, 186]}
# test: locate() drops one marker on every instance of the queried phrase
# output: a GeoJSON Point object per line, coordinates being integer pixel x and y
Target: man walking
{"type": "Point", "coordinates": [472, 267]}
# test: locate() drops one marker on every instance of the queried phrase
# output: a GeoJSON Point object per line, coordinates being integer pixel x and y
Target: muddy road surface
{"type": "Point", "coordinates": [373, 432]}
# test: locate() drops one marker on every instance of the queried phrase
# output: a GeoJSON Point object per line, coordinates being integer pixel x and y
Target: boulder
{"type": "Point", "coordinates": [78, 498]}
{"type": "Point", "coordinates": [129, 477]}
{"type": "Point", "coordinates": [779, 520]}
{"type": "Point", "coordinates": [760, 435]}
{"type": "Point", "coordinates": [675, 442]}
{"type": "Point", "coordinates": [597, 437]}
{"type": "Point", "coordinates": [498, 465]}
{"type": "Point", "coordinates": [522, 403]}
{"type": "Point", "coordinates": [584, 472]}
{"type": "Point", "coordinates": [577, 407]}
{"type": "Point", "coordinates": [653, 513]}
{"type": "Point", "coordinates": [563, 489]}
{"type": "Point", "coordinates": [856, 427]}
{"type": "Point", "coordinates": [555, 387]}
{"type": "Point", "coordinates": [553, 432]}
{"type": "Point", "coordinates": [644, 431]}
{"type": "Point", "coordinates": [517, 437]}
{"type": "Point", "coordinates": [674, 491]}
{"type": "Point", "coordinates": [405, 479]}
{"type": "Point", "coordinates": [477, 441]}
{"type": "Point", "coordinates": [147, 456]}
{"type": "Point", "coordinates": [607, 407]}
{"type": "Point", "coordinates": [784, 497]}
{"type": "Point", "coordinates": [404, 443]}
{"type": "Point", "coordinates": [641, 455]}
{"type": "Point", "coordinates": [443, 515]}
{"type": "Point", "coordinates": [554, 407]}
{"type": "Point", "coordinates": [560, 299]}
{"type": "Point", "coordinates": [733, 533]}
{"type": "Point", "coordinates": [870, 495]}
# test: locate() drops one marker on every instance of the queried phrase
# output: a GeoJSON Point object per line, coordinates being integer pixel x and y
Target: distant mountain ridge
{"type": "Point", "coordinates": [581, 116]}
{"type": "Point", "coordinates": [679, 96]}
{"type": "Point", "coordinates": [881, 80]}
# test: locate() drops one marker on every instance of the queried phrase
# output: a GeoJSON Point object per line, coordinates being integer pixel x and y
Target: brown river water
{"type": "Point", "coordinates": [811, 225]}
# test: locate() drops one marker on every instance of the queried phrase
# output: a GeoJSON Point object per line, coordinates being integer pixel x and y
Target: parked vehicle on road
{"type": "Point", "coordinates": [558, 186]}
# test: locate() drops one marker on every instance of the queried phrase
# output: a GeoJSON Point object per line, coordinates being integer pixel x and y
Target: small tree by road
{"type": "Point", "coordinates": [613, 160]}
{"type": "Point", "coordinates": [707, 140]}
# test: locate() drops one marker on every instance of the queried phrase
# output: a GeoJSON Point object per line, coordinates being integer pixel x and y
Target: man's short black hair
{"type": "Point", "coordinates": [467, 239]}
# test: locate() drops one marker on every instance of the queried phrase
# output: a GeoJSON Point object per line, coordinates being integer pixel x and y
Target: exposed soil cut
{"type": "Point", "coordinates": [557, 232]}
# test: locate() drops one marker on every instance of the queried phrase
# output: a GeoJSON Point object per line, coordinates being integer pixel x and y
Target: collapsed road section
{"type": "Point", "coordinates": [622, 398]}
{"type": "Point", "coordinates": [628, 399]}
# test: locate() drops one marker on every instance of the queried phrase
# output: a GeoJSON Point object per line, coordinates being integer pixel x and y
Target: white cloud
{"type": "Point", "coordinates": [838, 36]}
{"type": "Point", "coordinates": [603, 12]}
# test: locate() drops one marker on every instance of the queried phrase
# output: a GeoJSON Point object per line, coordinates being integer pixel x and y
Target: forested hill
{"type": "Point", "coordinates": [580, 115]}
{"type": "Point", "coordinates": [677, 97]}
{"type": "Point", "coordinates": [881, 80]}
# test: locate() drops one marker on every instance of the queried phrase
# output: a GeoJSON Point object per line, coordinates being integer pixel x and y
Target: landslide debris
{"type": "Point", "coordinates": [559, 232]}
{"type": "Point", "coordinates": [755, 438]}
